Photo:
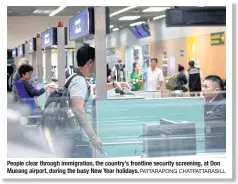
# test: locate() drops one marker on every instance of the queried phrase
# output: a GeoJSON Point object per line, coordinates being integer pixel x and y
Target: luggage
{"type": "Point", "coordinates": [172, 82]}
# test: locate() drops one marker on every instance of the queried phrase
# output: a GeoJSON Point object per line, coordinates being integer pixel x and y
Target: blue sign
{"type": "Point", "coordinates": [32, 45]}
{"type": "Point", "coordinates": [20, 50]}
{"type": "Point", "coordinates": [47, 38]}
{"type": "Point", "coordinates": [14, 52]}
{"type": "Point", "coordinates": [79, 25]}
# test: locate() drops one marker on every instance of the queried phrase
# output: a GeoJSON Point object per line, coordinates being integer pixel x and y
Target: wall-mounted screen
{"type": "Point", "coordinates": [21, 50]}
{"type": "Point", "coordinates": [49, 37]}
{"type": "Point", "coordinates": [83, 24]}
{"type": "Point", "coordinates": [14, 52]}
{"type": "Point", "coordinates": [140, 31]}
{"type": "Point", "coordinates": [32, 45]}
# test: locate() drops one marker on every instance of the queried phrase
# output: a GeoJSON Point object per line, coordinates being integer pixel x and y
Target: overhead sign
{"type": "Point", "coordinates": [79, 25]}
{"type": "Point", "coordinates": [14, 52]}
{"type": "Point", "coordinates": [32, 45]}
{"type": "Point", "coordinates": [217, 38]}
{"type": "Point", "coordinates": [21, 50]}
{"type": "Point", "coordinates": [47, 38]}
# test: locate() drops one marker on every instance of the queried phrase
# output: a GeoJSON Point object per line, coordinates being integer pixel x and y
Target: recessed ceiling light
{"type": "Point", "coordinates": [111, 26]}
{"type": "Point", "coordinates": [122, 10]}
{"type": "Point", "coordinates": [159, 17]}
{"type": "Point", "coordinates": [137, 23]}
{"type": "Point", "coordinates": [57, 11]}
{"type": "Point", "coordinates": [129, 18]}
{"type": "Point", "coordinates": [42, 11]}
{"type": "Point", "coordinates": [155, 9]}
{"type": "Point", "coordinates": [115, 29]}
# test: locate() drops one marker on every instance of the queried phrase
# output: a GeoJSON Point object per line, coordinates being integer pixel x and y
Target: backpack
{"type": "Point", "coordinates": [172, 82]}
{"type": "Point", "coordinates": [58, 116]}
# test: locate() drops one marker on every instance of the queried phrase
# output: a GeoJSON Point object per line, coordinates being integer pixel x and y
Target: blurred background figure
{"type": "Point", "coordinates": [136, 77]}
{"type": "Point", "coordinates": [109, 74]}
{"type": "Point", "coordinates": [182, 80]}
{"type": "Point", "coordinates": [194, 79]}
{"type": "Point", "coordinates": [154, 76]}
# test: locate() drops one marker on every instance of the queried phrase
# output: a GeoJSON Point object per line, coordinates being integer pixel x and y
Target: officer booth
{"type": "Point", "coordinates": [53, 37]}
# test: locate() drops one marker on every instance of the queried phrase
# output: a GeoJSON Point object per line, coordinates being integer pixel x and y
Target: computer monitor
{"type": "Point", "coordinates": [169, 138]}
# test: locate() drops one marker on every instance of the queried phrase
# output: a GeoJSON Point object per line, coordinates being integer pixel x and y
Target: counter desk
{"type": "Point", "coordinates": [120, 120]}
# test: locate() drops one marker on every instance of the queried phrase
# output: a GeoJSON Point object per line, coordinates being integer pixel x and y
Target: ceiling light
{"type": "Point", "coordinates": [111, 26]}
{"type": "Point", "coordinates": [115, 29]}
{"type": "Point", "coordinates": [159, 17]}
{"type": "Point", "coordinates": [155, 9]}
{"type": "Point", "coordinates": [137, 23]}
{"type": "Point", "coordinates": [129, 18]}
{"type": "Point", "coordinates": [57, 11]}
{"type": "Point", "coordinates": [122, 10]}
{"type": "Point", "coordinates": [42, 11]}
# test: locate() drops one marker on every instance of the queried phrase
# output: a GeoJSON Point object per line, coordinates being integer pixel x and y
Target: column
{"type": "Point", "coordinates": [61, 56]}
{"type": "Point", "coordinates": [100, 46]}
{"type": "Point", "coordinates": [48, 73]}
{"type": "Point", "coordinates": [39, 60]}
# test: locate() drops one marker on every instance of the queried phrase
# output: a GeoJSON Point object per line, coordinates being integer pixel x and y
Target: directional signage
{"type": "Point", "coordinates": [217, 38]}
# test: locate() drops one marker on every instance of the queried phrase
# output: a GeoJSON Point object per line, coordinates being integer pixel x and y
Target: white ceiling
{"type": "Point", "coordinates": [73, 10]}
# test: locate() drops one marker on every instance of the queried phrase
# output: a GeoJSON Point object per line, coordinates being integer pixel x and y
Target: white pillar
{"type": "Point", "coordinates": [61, 55]}
{"type": "Point", "coordinates": [100, 46]}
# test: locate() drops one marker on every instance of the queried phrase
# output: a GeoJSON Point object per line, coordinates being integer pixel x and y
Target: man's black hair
{"type": "Point", "coordinates": [180, 68]}
{"type": "Point", "coordinates": [216, 79]}
{"type": "Point", "coordinates": [154, 59]}
{"type": "Point", "coordinates": [84, 54]}
{"type": "Point", "coordinates": [24, 69]}
{"type": "Point", "coordinates": [191, 63]}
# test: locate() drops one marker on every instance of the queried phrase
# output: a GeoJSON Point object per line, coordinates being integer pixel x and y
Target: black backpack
{"type": "Point", "coordinates": [57, 116]}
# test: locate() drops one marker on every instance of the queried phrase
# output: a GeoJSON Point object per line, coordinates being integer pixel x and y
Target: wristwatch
{"type": "Point", "coordinates": [92, 138]}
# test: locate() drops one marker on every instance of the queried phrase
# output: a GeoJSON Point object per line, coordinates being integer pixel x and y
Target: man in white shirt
{"type": "Point", "coordinates": [154, 76]}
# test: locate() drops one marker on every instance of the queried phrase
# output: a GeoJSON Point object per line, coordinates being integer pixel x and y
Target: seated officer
{"type": "Point", "coordinates": [213, 91]}
{"type": "Point", "coordinates": [215, 114]}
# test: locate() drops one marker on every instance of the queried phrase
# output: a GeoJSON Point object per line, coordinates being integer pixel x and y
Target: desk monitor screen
{"type": "Point", "coordinates": [14, 52]}
{"type": "Point", "coordinates": [32, 45]}
{"type": "Point", "coordinates": [21, 50]}
{"type": "Point", "coordinates": [169, 138]}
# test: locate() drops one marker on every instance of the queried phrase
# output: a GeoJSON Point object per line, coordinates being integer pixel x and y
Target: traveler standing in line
{"type": "Point", "coordinates": [25, 91]}
{"type": "Point", "coordinates": [16, 75]}
{"type": "Point", "coordinates": [82, 99]}
{"type": "Point", "coordinates": [154, 76]}
{"type": "Point", "coordinates": [194, 79]}
{"type": "Point", "coordinates": [182, 80]}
